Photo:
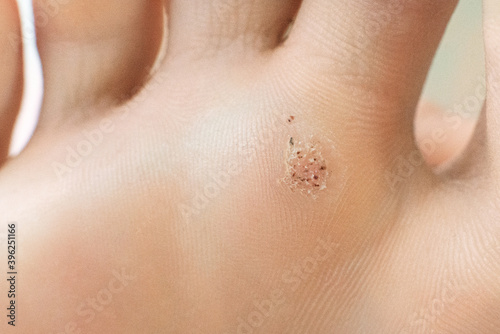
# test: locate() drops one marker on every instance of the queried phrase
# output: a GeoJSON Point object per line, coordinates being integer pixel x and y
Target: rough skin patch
{"type": "Point", "coordinates": [306, 169]}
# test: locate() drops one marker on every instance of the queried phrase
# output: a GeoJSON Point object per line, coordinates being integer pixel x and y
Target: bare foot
{"type": "Point", "coordinates": [189, 208]}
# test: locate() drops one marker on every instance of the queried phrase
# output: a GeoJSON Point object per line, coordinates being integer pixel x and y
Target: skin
{"type": "Point", "coordinates": [180, 195]}
{"type": "Point", "coordinates": [441, 137]}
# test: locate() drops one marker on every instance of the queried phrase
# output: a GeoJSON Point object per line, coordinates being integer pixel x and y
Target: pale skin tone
{"type": "Point", "coordinates": [418, 255]}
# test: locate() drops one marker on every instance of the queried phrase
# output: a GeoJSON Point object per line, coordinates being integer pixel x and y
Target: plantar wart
{"type": "Point", "coordinates": [306, 169]}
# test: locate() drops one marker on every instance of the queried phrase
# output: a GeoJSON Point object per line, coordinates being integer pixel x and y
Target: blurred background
{"type": "Point", "coordinates": [455, 86]}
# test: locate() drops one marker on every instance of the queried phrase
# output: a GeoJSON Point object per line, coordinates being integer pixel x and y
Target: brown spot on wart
{"type": "Point", "coordinates": [305, 167]}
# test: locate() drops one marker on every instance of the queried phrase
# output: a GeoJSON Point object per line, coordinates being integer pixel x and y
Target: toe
{"type": "Point", "coordinates": [371, 55]}
{"type": "Point", "coordinates": [202, 27]}
{"type": "Point", "coordinates": [492, 47]}
{"type": "Point", "coordinates": [94, 53]}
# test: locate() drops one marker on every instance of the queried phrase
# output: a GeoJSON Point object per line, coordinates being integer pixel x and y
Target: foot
{"type": "Point", "coordinates": [247, 181]}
